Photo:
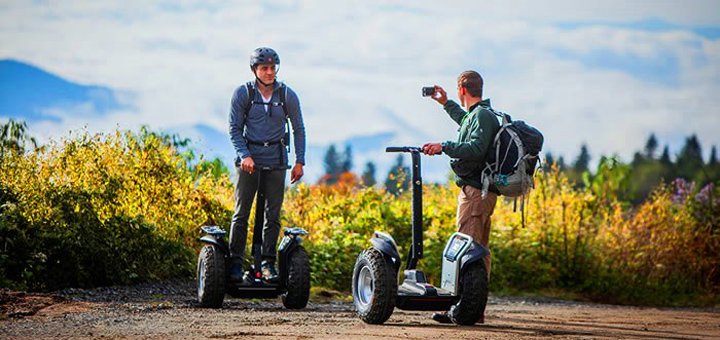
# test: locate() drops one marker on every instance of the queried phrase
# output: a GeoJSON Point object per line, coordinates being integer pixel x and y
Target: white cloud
{"type": "Point", "coordinates": [351, 62]}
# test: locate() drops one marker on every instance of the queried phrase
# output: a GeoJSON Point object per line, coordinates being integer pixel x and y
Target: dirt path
{"type": "Point", "coordinates": [162, 315]}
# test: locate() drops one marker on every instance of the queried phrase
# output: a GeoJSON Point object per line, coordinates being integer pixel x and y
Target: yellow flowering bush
{"type": "Point", "coordinates": [104, 209]}
{"type": "Point", "coordinates": [126, 207]}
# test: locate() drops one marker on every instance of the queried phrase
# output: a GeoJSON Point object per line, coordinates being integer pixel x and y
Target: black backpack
{"type": "Point", "coordinates": [512, 159]}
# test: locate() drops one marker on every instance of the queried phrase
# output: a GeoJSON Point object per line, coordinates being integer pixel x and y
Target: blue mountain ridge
{"type": "Point", "coordinates": [27, 92]}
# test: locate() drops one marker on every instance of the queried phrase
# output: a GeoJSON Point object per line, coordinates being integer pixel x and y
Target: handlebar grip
{"type": "Point", "coordinates": [403, 149]}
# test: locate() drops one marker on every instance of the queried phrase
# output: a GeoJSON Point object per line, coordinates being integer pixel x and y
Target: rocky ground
{"type": "Point", "coordinates": [168, 310]}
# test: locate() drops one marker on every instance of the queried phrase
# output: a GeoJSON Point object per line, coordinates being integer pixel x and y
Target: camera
{"type": "Point", "coordinates": [428, 91]}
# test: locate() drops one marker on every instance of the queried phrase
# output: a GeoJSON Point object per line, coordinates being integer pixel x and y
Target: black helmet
{"type": "Point", "coordinates": [264, 55]}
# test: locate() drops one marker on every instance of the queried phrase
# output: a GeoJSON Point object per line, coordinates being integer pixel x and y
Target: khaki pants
{"type": "Point", "coordinates": [473, 216]}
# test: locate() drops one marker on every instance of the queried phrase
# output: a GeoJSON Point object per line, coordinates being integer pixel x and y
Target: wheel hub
{"type": "Point", "coordinates": [201, 279]}
{"type": "Point", "coordinates": [365, 286]}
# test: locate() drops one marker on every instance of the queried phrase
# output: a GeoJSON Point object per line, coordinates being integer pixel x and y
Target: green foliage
{"type": "Point", "coordinates": [368, 176]}
{"type": "Point", "coordinates": [647, 170]}
{"type": "Point", "coordinates": [398, 179]}
{"type": "Point", "coordinates": [215, 168]}
{"type": "Point", "coordinates": [581, 240]}
{"type": "Point", "coordinates": [14, 137]}
{"type": "Point", "coordinates": [101, 210]}
{"type": "Point", "coordinates": [123, 208]}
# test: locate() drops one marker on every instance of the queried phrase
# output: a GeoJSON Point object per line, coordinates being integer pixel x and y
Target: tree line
{"type": "Point", "coordinates": [646, 171]}
{"type": "Point", "coordinates": [338, 170]}
{"type": "Point", "coordinates": [648, 168]}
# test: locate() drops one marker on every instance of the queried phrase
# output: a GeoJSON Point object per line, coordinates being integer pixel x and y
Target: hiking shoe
{"type": "Point", "coordinates": [444, 318]}
{"type": "Point", "coordinates": [237, 274]}
{"type": "Point", "coordinates": [441, 317]}
{"type": "Point", "coordinates": [268, 272]}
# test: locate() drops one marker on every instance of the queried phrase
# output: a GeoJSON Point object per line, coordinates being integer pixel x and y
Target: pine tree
{"type": "Point", "coordinates": [713, 156]}
{"type": "Point", "coordinates": [665, 158]}
{"type": "Point", "coordinates": [368, 176]}
{"type": "Point", "coordinates": [347, 159]}
{"type": "Point", "coordinates": [561, 163]}
{"type": "Point", "coordinates": [582, 163]}
{"type": "Point", "coordinates": [332, 165]}
{"type": "Point", "coordinates": [713, 167]}
{"type": "Point", "coordinates": [638, 159]}
{"type": "Point", "coordinates": [549, 160]}
{"type": "Point", "coordinates": [690, 162]}
{"type": "Point", "coordinates": [651, 146]}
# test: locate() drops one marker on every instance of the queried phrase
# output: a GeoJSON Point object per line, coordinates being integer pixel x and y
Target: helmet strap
{"type": "Point", "coordinates": [260, 81]}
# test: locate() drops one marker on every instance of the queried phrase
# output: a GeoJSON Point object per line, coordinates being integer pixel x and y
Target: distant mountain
{"type": "Point", "coordinates": [28, 92]}
{"type": "Point", "coordinates": [368, 143]}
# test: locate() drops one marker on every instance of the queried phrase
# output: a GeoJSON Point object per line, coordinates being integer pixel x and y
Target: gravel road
{"type": "Point", "coordinates": [167, 310]}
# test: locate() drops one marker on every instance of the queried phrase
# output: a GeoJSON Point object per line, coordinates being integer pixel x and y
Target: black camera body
{"type": "Point", "coordinates": [428, 91]}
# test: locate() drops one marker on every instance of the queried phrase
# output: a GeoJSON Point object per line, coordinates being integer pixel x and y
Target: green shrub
{"type": "Point", "coordinates": [124, 208]}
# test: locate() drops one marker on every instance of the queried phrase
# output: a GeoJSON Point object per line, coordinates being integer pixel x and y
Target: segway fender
{"type": "Point", "coordinates": [209, 239]}
{"type": "Point", "coordinates": [385, 247]}
{"type": "Point", "coordinates": [476, 253]}
{"type": "Point", "coordinates": [290, 242]}
{"type": "Point", "coordinates": [385, 244]}
{"type": "Point", "coordinates": [291, 239]}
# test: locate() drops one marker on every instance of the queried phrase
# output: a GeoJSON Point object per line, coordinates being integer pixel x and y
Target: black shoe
{"type": "Point", "coordinates": [441, 317]}
{"type": "Point", "coordinates": [268, 272]}
{"type": "Point", "coordinates": [236, 272]}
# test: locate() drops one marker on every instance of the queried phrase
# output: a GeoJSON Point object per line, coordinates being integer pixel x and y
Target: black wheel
{"type": "Point", "coordinates": [211, 277]}
{"type": "Point", "coordinates": [298, 281]}
{"type": "Point", "coordinates": [374, 287]}
{"type": "Point", "coordinates": [473, 292]}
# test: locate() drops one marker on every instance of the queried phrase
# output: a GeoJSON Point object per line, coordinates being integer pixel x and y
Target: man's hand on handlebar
{"type": "Point", "coordinates": [432, 149]}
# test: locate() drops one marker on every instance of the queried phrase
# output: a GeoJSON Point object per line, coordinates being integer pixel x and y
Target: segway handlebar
{"type": "Point", "coordinates": [403, 149]}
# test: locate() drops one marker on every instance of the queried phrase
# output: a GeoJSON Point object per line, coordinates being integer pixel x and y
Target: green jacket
{"type": "Point", "coordinates": [475, 135]}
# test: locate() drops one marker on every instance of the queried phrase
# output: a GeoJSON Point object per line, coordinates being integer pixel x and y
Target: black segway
{"type": "Point", "coordinates": [464, 282]}
{"type": "Point", "coordinates": [213, 268]}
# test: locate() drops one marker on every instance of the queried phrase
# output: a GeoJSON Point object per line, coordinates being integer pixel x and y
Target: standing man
{"type": "Point", "coordinates": [478, 127]}
{"type": "Point", "coordinates": [259, 113]}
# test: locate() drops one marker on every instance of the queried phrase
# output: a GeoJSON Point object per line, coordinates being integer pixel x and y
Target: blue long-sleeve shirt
{"type": "Point", "coordinates": [261, 126]}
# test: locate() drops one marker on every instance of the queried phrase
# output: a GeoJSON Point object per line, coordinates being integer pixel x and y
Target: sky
{"type": "Point", "coordinates": [604, 73]}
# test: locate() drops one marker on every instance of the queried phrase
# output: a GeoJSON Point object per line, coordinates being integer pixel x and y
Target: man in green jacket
{"type": "Point", "coordinates": [478, 126]}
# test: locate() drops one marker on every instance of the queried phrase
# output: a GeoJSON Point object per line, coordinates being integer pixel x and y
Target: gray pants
{"type": "Point", "coordinates": [245, 189]}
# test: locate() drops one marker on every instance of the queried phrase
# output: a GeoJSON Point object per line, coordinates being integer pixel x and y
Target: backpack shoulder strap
{"type": "Point", "coordinates": [250, 96]}
{"type": "Point", "coordinates": [283, 97]}
{"type": "Point", "coordinates": [283, 103]}
{"type": "Point", "coordinates": [506, 119]}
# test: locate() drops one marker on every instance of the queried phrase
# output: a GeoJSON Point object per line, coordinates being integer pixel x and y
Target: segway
{"type": "Point", "coordinates": [213, 268]}
{"type": "Point", "coordinates": [464, 283]}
